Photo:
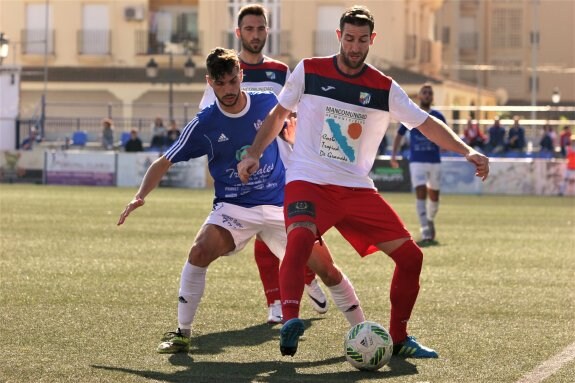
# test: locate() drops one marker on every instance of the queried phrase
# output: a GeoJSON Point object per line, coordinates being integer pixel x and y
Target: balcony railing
{"type": "Point", "coordinates": [425, 51]}
{"type": "Point", "coordinates": [35, 40]}
{"type": "Point", "coordinates": [410, 47]}
{"type": "Point", "coordinates": [468, 42]}
{"type": "Point", "coordinates": [325, 43]}
{"type": "Point", "coordinates": [149, 42]}
{"type": "Point", "coordinates": [94, 42]}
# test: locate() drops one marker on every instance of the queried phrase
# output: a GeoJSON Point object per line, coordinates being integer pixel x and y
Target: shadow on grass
{"type": "Point", "coordinates": [215, 343]}
{"type": "Point", "coordinates": [270, 371]}
{"type": "Point", "coordinates": [265, 371]}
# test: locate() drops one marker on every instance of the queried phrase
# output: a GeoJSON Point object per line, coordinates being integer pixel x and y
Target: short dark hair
{"type": "Point", "coordinates": [221, 61]}
{"type": "Point", "coordinates": [252, 9]}
{"type": "Point", "coordinates": [426, 85]}
{"type": "Point", "coordinates": [357, 15]}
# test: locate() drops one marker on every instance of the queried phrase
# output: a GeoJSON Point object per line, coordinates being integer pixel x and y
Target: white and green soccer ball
{"type": "Point", "coordinates": [368, 346]}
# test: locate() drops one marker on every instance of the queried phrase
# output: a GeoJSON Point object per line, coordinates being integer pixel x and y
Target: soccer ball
{"type": "Point", "coordinates": [368, 346]}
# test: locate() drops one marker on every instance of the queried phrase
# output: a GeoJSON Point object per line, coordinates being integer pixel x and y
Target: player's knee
{"type": "Point", "coordinates": [329, 274]}
{"type": "Point", "coordinates": [408, 257]}
{"type": "Point", "coordinates": [200, 255]}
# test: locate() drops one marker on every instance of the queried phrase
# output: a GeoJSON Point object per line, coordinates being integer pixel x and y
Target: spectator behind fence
{"type": "Point", "coordinates": [134, 144]}
{"type": "Point", "coordinates": [158, 134]}
{"type": "Point", "coordinates": [30, 141]}
{"type": "Point", "coordinates": [173, 133]}
{"type": "Point", "coordinates": [496, 143]}
{"type": "Point", "coordinates": [565, 140]}
{"type": "Point", "coordinates": [107, 134]}
{"type": "Point", "coordinates": [547, 142]}
{"type": "Point", "coordinates": [473, 136]}
{"type": "Point", "coordinates": [516, 136]}
{"type": "Point", "coordinates": [570, 170]}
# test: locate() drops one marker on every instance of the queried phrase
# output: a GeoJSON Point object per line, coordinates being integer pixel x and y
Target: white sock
{"type": "Point", "coordinates": [421, 212]}
{"type": "Point", "coordinates": [192, 285]}
{"type": "Point", "coordinates": [344, 297]}
{"type": "Point", "coordinates": [432, 208]}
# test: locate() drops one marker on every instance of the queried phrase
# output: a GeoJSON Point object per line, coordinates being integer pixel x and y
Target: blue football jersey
{"type": "Point", "coordinates": [224, 137]}
{"type": "Point", "coordinates": [421, 149]}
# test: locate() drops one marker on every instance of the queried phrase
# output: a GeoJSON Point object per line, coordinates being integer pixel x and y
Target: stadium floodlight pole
{"type": "Point", "coordinates": [45, 89]}
{"type": "Point", "coordinates": [152, 70]}
{"type": "Point", "coordinates": [534, 52]}
{"type": "Point", "coordinates": [171, 87]}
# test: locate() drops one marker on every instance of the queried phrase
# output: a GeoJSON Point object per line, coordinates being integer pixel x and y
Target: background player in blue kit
{"type": "Point", "coordinates": [262, 73]}
{"type": "Point", "coordinates": [424, 166]}
{"type": "Point", "coordinates": [223, 131]}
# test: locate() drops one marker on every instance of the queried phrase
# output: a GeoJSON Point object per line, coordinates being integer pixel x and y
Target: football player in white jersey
{"type": "Point", "coordinates": [344, 107]}
{"type": "Point", "coordinates": [222, 131]}
{"type": "Point", "coordinates": [262, 73]}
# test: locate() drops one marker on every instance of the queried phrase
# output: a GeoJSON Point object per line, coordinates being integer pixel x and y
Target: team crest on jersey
{"type": "Point", "coordinates": [364, 98]}
{"type": "Point", "coordinates": [258, 124]}
{"type": "Point", "coordinates": [271, 75]}
{"type": "Point", "coordinates": [241, 153]}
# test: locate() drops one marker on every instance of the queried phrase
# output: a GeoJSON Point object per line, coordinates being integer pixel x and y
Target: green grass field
{"type": "Point", "coordinates": [82, 300]}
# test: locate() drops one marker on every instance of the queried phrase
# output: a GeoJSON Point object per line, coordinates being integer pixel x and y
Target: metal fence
{"type": "Point", "coordinates": [56, 129]}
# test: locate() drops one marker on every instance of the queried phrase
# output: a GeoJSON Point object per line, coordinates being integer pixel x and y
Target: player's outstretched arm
{"type": "Point", "coordinates": [394, 150]}
{"type": "Point", "coordinates": [151, 179]}
{"type": "Point", "coordinates": [438, 132]}
{"type": "Point", "coordinates": [269, 130]}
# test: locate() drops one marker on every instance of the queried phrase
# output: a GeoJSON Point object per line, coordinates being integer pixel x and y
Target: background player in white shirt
{"type": "Point", "coordinates": [262, 73]}
{"type": "Point", "coordinates": [222, 131]}
{"type": "Point", "coordinates": [344, 107]}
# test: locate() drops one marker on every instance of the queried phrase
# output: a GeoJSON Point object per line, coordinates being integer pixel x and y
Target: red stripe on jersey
{"type": "Point", "coordinates": [368, 77]}
{"type": "Point", "coordinates": [267, 63]}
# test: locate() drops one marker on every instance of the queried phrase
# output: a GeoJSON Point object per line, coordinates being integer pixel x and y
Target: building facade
{"type": "Point", "coordinates": [89, 58]}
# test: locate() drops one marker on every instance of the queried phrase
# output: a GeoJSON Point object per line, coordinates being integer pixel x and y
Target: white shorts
{"type": "Point", "coordinates": [425, 173]}
{"type": "Point", "coordinates": [244, 223]}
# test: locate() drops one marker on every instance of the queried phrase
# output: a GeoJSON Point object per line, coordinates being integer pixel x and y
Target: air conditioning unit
{"type": "Point", "coordinates": [134, 13]}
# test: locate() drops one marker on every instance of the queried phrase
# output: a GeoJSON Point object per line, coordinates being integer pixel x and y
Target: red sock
{"type": "Point", "coordinates": [309, 275]}
{"type": "Point", "coordinates": [298, 250]}
{"type": "Point", "coordinates": [268, 266]}
{"type": "Point", "coordinates": [404, 288]}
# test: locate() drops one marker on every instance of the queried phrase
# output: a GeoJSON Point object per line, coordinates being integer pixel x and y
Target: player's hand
{"type": "Point", "coordinates": [481, 163]}
{"type": "Point", "coordinates": [247, 166]}
{"type": "Point", "coordinates": [288, 133]}
{"type": "Point", "coordinates": [394, 164]}
{"type": "Point", "coordinates": [133, 205]}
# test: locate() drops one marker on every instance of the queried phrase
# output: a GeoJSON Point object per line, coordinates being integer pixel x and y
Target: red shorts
{"type": "Point", "coordinates": [361, 215]}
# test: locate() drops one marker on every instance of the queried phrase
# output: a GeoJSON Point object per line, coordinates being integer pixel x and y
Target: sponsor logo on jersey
{"type": "Point", "coordinates": [223, 138]}
{"type": "Point", "coordinates": [364, 98]}
{"type": "Point", "coordinates": [327, 88]}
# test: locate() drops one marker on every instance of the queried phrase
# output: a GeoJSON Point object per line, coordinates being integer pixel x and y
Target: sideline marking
{"type": "Point", "coordinates": [550, 366]}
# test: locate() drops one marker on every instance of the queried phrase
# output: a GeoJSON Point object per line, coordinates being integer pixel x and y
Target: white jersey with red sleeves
{"type": "Point", "coordinates": [267, 75]}
{"type": "Point", "coordinates": [341, 120]}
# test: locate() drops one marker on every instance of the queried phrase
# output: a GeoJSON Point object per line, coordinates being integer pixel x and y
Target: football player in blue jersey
{"type": "Point", "coordinates": [223, 131]}
{"type": "Point", "coordinates": [262, 73]}
{"type": "Point", "coordinates": [424, 167]}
